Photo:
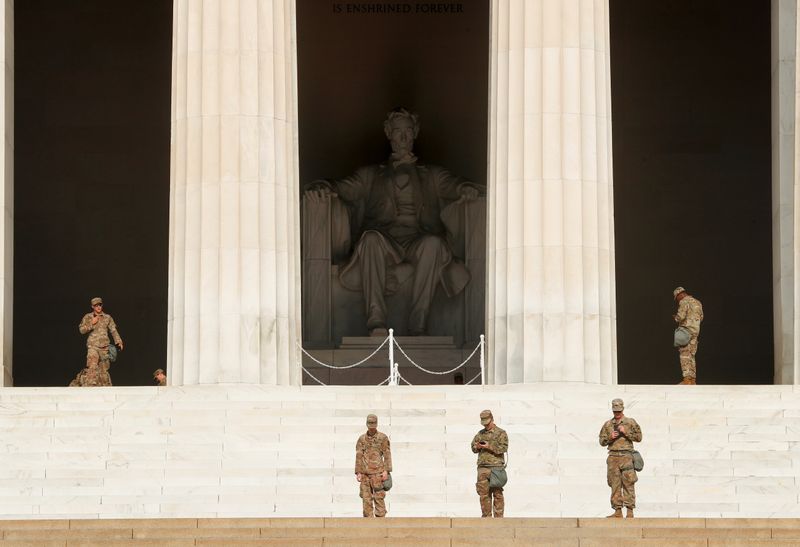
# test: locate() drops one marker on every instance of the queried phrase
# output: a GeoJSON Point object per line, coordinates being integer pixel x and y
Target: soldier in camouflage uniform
{"type": "Point", "coordinates": [689, 316]}
{"type": "Point", "coordinates": [160, 377]}
{"type": "Point", "coordinates": [619, 434]}
{"type": "Point", "coordinates": [98, 325]}
{"type": "Point", "coordinates": [490, 444]}
{"type": "Point", "coordinates": [373, 465]}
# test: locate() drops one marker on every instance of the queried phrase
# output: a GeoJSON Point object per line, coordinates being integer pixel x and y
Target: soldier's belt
{"type": "Point", "coordinates": [621, 452]}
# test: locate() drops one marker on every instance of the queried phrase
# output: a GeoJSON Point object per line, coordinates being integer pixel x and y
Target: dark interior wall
{"type": "Point", "coordinates": [691, 138]}
{"type": "Point", "coordinates": [353, 67]}
{"type": "Point", "coordinates": [92, 107]}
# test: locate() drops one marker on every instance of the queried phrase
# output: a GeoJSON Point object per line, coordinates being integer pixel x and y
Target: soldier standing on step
{"type": "Point", "coordinates": [97, 324]}
{"type": "Point", "coordinates": [490, 444]}
{"type": "Point", "coordinates": [373, 465]}
{"type": "Point", "coordinates": [689, 316]}
{"type": "Point", "coordinates": [619, 434]}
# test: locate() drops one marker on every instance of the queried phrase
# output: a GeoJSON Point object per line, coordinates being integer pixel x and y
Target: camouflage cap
{"type": "Point", "coordinates": [96, 300]}
{"type": "Point", "coordinates": [486, 417]}
{"type": "Point", "coordinates": [372, 419]}
{"type": "Point", "coordinates": [158, 371]}
{"type": "Point", "coordinates": [617, 405]}
{"type": "Point", "coordinates": [677, 291]}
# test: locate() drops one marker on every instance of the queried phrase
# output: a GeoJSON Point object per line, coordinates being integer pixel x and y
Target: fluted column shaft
{"type": "Point", "coordinates": [234, 236]}
{"type": "Point", "coordinates": [785, 84]}
{"type": "Point", "coordinates": [551, 304]}
{"type": "Point", "coordinates": [7, 196]}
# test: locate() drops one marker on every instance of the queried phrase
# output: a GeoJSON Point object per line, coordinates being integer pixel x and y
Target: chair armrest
{"type": "Point", "coordinates": [326, 230]}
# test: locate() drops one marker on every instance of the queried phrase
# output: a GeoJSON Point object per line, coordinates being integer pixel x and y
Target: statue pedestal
{"type": "Point", "coordinates": [406, 342]}
{"type": "Point", "coordinates": [435, 353]}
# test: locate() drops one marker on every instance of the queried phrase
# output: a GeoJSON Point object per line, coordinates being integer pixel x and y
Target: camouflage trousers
{"type": "Point", "coordinates": [96, 371]}
{"type": "Point", "coordinates": [489, 496]}
{"type": "Point", "coordinates": [686, 353]}
{"type": "Point", "coordinates": [372, 494]}
{"type": "Point", "coordinates": [622, 480]}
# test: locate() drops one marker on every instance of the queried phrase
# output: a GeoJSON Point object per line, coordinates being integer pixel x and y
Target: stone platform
{"type": "Point", "coordinates": [244, 450]}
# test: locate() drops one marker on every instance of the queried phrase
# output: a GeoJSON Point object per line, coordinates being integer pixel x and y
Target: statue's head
{"type": "Point", "coordinates": [401, 128]}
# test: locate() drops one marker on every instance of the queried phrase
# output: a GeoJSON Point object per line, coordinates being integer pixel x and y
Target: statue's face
{"type": "Point", "coordinates": [401, 135]}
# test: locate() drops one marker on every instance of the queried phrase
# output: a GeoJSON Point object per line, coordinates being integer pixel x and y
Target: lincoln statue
{"type": "Point", "coordinates": [395, 211]}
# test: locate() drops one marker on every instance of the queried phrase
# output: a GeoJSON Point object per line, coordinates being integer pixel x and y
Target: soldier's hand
{"type": "Point", "coordinates": [358, 477]}
{"type": "Point", "coordinates": [384, 476]}
{"type": "Point", "coordinates": [621, 429]}
{"type": "Point", "coordinates": [614, 434]}
{"type": "Point", "coordinates": [121, 345]}
{"type": "Point", "coordinates": [95, 319]}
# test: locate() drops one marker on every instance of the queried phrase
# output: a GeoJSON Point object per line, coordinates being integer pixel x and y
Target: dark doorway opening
{"type": "Point", "coordinates": [91, 192]}
{"type": "Point", "coordinates": [692, 183]}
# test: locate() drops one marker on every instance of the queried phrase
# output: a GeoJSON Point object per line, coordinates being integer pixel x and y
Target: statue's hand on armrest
{"type": "Point", "coordinates": [319, 191]}
{"type": "Point", "coordinates": [467, 193]}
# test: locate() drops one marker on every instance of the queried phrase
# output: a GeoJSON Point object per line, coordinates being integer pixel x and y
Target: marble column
{"type": "Point", "coordinates": [234, 301]}
{"type": "Point", "coordinates": [7, 196]}
{"type": "Point", "coordinates": [785, 192]}
{"type": "Point", "coordinates": [551, 306]}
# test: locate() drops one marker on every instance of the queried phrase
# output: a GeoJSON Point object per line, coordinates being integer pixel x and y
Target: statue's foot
{"type": "Point", "coordinates": [379, 331]}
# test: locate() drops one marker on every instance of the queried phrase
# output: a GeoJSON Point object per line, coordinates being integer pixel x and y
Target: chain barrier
{"type": "Point", "coordinates": [410, 360]}
{"type": "Point", "coordinates": [400, 376]}
{"type": "Point", "coordinates": [320, 382]}
{"type": "Point", "coordinates": [345, 367]}
{"type": "Point", "coordinates": [473, 379]}
{"type": "Point", "coordinates": [395, 377]}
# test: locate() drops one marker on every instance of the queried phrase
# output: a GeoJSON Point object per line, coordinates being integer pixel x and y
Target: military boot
{"type": "Point", "coordinates": [617, 514]}
{"type": "Point", "coordinates": [687, 382]}
{"type": "Point", "coordinates": [629, 513]}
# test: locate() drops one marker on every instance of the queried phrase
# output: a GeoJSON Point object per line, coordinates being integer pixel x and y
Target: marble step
{"type": "Point", "coordinates": [405, 531]}
{"type": "Point", "coordinates": [710, 451]}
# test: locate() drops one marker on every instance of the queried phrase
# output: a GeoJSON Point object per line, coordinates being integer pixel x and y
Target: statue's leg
{"type": "Point", "coordinates": [371, 250]}
{"type": "Point", "coordinates": [429, 254]}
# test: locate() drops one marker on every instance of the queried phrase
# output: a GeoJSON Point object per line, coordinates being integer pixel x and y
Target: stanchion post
{"type": "Point", "coordinates": [483, 374]}
{"type": "Point", "coordinates": [392, 375]}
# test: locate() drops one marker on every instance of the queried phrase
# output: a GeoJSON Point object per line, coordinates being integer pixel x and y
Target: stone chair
{"type": "Point", "coordinates": [331, 312]}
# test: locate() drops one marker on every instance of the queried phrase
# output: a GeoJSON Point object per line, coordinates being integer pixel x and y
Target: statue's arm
{"type": "Point", "coordinates": [452, 187]}
{"type": "Point", "coordinates": [350, 189]}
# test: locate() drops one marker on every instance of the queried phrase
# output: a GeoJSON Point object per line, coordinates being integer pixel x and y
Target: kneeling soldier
{"type": "Point", "coordinates": [619, 434]}
{"type": "Point", "coordinates": [373, 465]}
